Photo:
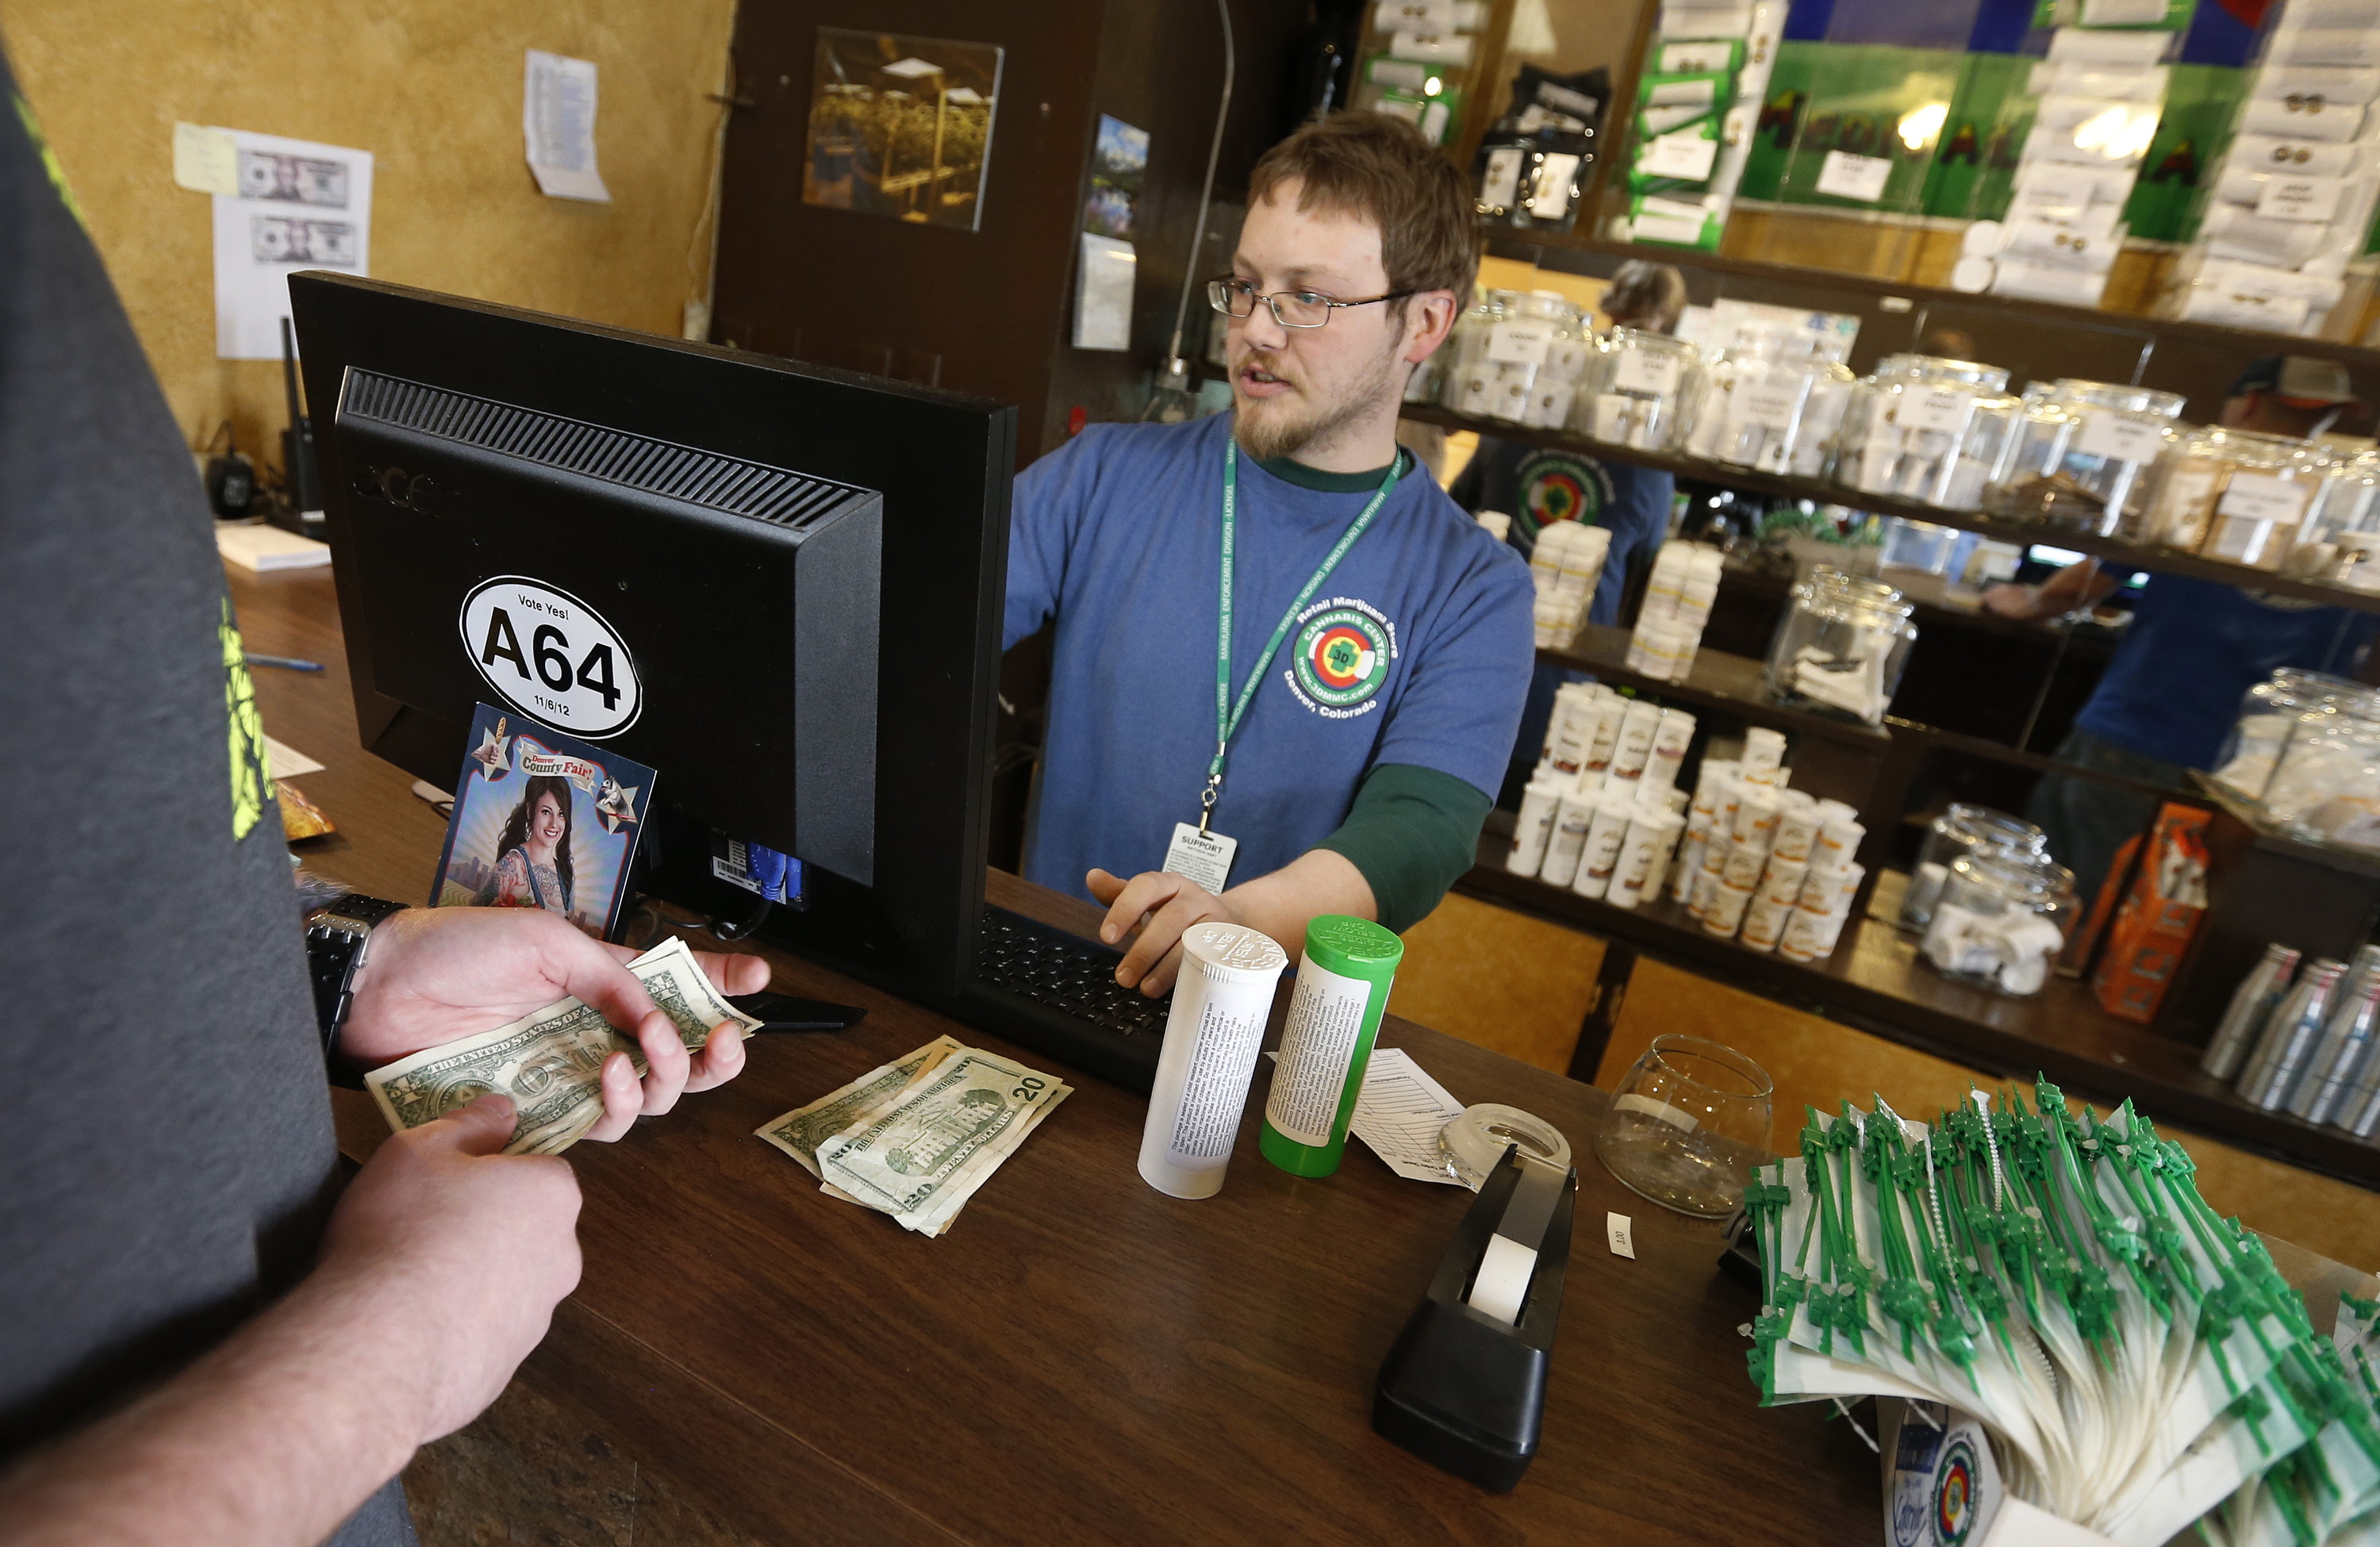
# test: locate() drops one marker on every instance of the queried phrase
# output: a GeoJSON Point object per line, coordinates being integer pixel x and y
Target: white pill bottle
{"type": "Point", "coordinates": [1213, 1031]}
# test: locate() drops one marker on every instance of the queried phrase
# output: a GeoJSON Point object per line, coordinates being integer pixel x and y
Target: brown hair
{"type": "Point", "coordinates": [1648, 296]}
{"type": "Point", "coordinates": [1378, 168]}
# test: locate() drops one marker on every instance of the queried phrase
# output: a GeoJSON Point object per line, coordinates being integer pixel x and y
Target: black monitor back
{"type": "Point", "coordinates": [432, 492]}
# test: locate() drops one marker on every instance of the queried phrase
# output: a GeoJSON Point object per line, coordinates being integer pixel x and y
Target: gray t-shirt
{"type": "Point", "coordinates": [166, 1149]}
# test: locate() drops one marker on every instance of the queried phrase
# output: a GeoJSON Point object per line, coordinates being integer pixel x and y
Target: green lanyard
{"type": "Point", "coordinates": [1228, 713]}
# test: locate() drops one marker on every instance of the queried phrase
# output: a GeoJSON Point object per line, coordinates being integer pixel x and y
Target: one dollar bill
{"type": "Point", "coordinates": [799, 1132]}
{"type": "Point", "coordinates": [550, 1060]}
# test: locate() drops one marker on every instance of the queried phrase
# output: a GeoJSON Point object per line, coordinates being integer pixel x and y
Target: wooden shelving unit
{"type": "Point", "coordinates": [1876, 981]}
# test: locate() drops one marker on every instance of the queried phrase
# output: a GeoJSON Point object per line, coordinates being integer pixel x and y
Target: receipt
{"type": "Point", "coordinates": [1399, 1112]}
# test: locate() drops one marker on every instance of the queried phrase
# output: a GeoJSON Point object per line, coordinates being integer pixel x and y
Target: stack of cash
{"type": "Point", "coordinates": [550, 1060]}
{"type": "Point", "coordinates": [917, 1137]}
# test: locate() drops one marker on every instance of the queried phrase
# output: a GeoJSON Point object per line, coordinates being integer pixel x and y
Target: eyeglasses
{"type": "Point", "coordinates": [1291, 309]}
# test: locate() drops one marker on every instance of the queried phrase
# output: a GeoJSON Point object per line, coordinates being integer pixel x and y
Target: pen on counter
{"type": "Point", "coordinates": [286, 662]}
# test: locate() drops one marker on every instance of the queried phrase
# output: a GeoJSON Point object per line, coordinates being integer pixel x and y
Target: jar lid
{"type": "Point", "coordinates": [1353, 947]}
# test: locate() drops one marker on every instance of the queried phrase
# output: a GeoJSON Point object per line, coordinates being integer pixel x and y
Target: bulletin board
{"type": "Point", "coordinates": [432, 88]}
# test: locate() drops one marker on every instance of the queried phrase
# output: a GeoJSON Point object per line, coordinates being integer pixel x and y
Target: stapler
{"type": "Point", "coordinates": [1464, 1386]}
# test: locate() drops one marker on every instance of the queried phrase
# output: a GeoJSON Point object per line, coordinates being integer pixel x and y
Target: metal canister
{"type": "Point", "coordinates": [2281, 1056]}
{"type": "Point", "coordinates": [2251, 1004]}
{"type": "Point", "coordinates": [2338, 1057]}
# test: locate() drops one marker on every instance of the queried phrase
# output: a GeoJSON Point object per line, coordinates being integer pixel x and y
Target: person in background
{"type": "Point", "coordinates": [1538, 486]}
{"type": "Point", "coordinates": [2172, 689]}
{"type": "Point", "coordinates": [207, 1342]}
{"type": "Point", "coordinates": [1378, 638]}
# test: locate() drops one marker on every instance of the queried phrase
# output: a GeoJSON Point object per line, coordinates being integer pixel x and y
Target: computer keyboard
{"type": "Point", "coordinates": [1057, 993]}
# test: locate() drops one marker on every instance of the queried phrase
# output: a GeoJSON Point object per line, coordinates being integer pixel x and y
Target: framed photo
{"type": "Point", "coordinates": [542, 820]}
{"type": "Point", "coordinates": [901, 126]}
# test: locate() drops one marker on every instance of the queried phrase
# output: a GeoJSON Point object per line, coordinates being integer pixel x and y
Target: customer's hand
{"type": "Point", "coordinates": [1163, 905]}
{"type": "Point", "coordinates": [459, 1253]}
{"type": "Point", "coordinates": [2008, 601]}
{"type": "Point", "coordinates": [434, 974]}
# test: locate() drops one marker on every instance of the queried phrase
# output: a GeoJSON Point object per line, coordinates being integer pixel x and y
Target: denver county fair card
{"type": "Point", "coordinates": [542, 820]}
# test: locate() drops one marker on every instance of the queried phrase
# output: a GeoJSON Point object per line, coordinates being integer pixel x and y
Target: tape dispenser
{"type": "Point", "coordinates": [1464, 1385]}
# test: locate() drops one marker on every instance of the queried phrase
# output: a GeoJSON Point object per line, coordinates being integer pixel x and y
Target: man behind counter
{"type": "Point", "coordinates": [2169, 695]}
{"type": "Point", "coordinates": [1376, 642]}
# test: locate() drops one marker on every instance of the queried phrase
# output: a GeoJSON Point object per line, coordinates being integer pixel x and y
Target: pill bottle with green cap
{"type": "Point", "coordinates": [1334, 1014]}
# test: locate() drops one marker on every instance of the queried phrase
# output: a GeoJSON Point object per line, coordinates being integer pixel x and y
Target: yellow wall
{"type": "Point", "coordinates": [432, 88]}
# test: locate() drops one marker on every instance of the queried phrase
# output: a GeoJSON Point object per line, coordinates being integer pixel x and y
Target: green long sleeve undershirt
{"type": "Point", "coordinates": [1410, 832]}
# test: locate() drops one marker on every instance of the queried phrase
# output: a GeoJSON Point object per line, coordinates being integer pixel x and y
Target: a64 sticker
{"type": "Point", "coordinates": [551, 656]}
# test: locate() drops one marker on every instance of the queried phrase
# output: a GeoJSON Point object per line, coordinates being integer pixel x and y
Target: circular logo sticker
{"type": "Point", "coordinates": [1343, 657]}
{"type": "Point", "coordinates": [1954, 1495]}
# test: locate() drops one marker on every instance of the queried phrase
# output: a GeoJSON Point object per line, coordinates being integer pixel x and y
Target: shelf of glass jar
{"type": "Point", "coordinates": [1878, 979]}
{"type": "Point", "coordinates": [2094, 466]}
{"type": "Point", "coordinates": [2301, 768]}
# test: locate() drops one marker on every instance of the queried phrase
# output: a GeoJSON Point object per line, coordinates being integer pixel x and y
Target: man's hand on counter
{"type": "Point", "coordinates": [1163, 905]}
{"type": "Point", "coordinates": [431, 975]}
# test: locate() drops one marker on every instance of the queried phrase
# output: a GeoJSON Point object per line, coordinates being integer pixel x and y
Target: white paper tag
{"type": "Point", "coordinates": [1687, 155]}
{"type": "Point", "coordinates": [1617, 1229]}
{"type": "Point", "coordinates": [206, 160]}
{"type": "Point", "coordinates": [1501, 181]}
{"type": "Point", "coordinates": [2124, 437]}
{"type": "Point", "coordinates": [1767, 405]}
{"type": "Point", "coordinates": [2300, 198]}
{"type": "Point", "coordinates": [1940, 409]}
{"type": "Point", "coordinates": [1519, 344]}
{"type": "Point", "coordinates": [1848, 176]}
{"type": "Point", "coordinates": [1202, 857]}
{"type": "Point", "coordinates": [2263, 497]}
{"type": "Point", "coordinates": [1695, 59]}
{"type": "Point", "coordinates": [1642, 370]}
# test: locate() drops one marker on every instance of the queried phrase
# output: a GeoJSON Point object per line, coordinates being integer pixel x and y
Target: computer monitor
{"type": "Point", "coordinates": [779, 585]}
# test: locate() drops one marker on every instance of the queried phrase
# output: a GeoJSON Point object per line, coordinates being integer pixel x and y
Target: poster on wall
{"type": "Point", "coordinates": [901, 126]}
{"type": "Point", "coordinates": [299, 205]}
{"type": "Point", "coordinates": [1118, 163]}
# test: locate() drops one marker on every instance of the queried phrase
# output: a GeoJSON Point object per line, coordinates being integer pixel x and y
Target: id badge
{"type": "Point", "coordinates": [1205, 857]}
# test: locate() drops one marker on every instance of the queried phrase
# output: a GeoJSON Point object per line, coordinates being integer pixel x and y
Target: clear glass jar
{"type": "Point", "coordinates": [1919, 545]}
{"type": "Point", "coordinates": [2269, 711]}
{"type": "Point", "coordinates": [1536, 346]}
{"type": "Point", "coordinates": [2338, 542]}
{"type": "Point", "coordinates": [1771, 400]}
{"type": "Point", "coordinates": [2326, 788]}
{"type": "Point", "coordinates": [1635, 389]}
{"type": "Point", "coordinates": [2075, 455]}
{"type": "Point", "coordinates": [1471, 378]}
{"type": "Point", "coordinates": [2000, 922]}
{"type": "Point", "coordinates": [1907, 429]}
{"type": "Point", "coordinates": [1841, 646]}
{"type": "Point", "coordinates": [2234, 494]}
{"type": "Point", "coordinates": [1959, 831]}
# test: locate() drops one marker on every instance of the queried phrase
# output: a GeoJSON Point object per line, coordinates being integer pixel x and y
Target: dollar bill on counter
{"type": "Point", "coordinates": [550, 1060]}
{"type": "Point", "coordinates": [799, 1132]}
{"type": "Point", "coordinates": [919, 1137]}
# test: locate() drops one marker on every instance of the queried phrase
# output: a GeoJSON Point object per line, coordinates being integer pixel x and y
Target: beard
{"type": "Point", "coordinates": [1276, 427]}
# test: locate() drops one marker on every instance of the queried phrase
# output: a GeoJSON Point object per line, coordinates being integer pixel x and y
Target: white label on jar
{"type": "Point", "coordinates": [2300, 198]}
{"type": "Point", "coordinates": [1645, 371]}
{"type": "Point", "coordinates": [1687, 155]}
{"type": "Point", "coordinates": [1768, 404]}
{"type": "Point", "coordinates": [2120, 436]}
{"type": "Point", "coordinates": [1520, 342]}
{"type": "Point", "coordinates": [1550, 193]}
{"type": "Point", "coordinates": [1325, 1013]}
{"type": "Point", "coordinates": [2263, 497]}
{"type": "Point", "coordinates": [1215, 1089]}
{"type": "Point", "coordinates": [1502, 180]}
{"type": "Point", "coordinates": [1942, 410]}
{"type": "Point", "coordinates": [1848, 176]}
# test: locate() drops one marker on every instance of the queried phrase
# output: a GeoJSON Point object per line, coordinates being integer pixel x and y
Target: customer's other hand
{"type": "Point", "coordinates": [459, 1253]}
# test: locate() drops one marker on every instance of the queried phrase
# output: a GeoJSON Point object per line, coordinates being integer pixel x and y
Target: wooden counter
{"type": "Point", "coordinates": [1081, 1359]}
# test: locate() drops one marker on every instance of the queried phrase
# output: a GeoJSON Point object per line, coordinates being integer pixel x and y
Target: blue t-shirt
{"type": "Point", "coordinates": [1538, 487]}
{"type": "Point", "coordinates": [1415, 649]}
{"type": "Point", "coordinates": [2192, 648]}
